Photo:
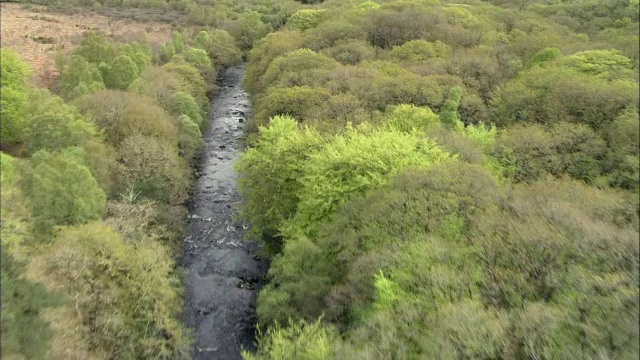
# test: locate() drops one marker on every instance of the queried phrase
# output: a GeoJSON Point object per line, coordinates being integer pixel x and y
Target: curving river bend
{"type": "Point", "coordinates": [222, 271]}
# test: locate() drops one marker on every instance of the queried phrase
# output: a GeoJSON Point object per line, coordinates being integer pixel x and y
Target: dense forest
{"type": "Point", "coordinates": [430, 179]}
{"type": "Point", "coordinates": [96, 172]}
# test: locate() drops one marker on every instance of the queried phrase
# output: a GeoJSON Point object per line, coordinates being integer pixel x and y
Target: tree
{"type": "Point", "coordinates": [120, 73]}
{"type": "Point", "coordinates": [304, 341]}
{"type": "Point", "coordinates": [25, 334]}
{"type": "Point", "coordinates": [123, 298]}
{"type": "Point", "coordinates": [280, 152]}
{"type": "Point", "coordinates": [54, 125]}
{"type": "Point", "coordinates": [62, 191]}
{"type": "Point", "coordinates": [152, 169]}
{"type": "Point", "coordinates": [80, 77]}
{"type": "Point", "coordinates": [306, 18]}
{"type": "Point", "coordinates": [191, 141]}
{"type": "Point", "coordinates": [13, 97]}
{"type": "Point", "coordinates": [97, 48]}
{"type": "Point", "coordinates": [220, 46]}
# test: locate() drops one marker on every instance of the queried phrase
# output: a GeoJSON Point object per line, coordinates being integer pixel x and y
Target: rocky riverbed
{"type": "Point", "coordinates": [223, 271]}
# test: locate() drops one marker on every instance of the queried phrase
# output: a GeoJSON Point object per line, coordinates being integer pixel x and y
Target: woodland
{"type": "Point", "coordinates": [431, 179]}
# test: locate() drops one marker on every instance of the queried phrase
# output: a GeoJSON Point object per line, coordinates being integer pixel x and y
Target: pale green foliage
{"type": "Point", "coordinates": [306, 18]}
{"type": "Point", "coordinates": [409, 118]}
{"type": "Point", "coordinates": [191, 141]}
{"type": "Point", "coordinates": [270, 172]}
{"type": "Point", "coordinates": [80, 77]}
{"type": "Point", "coordinates": [190, 79]}
{"type": "Point", "coordinates": [265, 51]}
{"type": "Point", "coordinates": [199, 59]}
{"type": "Point", "coordinates": [167, 89]}
{"type": "Point", "coordinates": [140, 54]}
{"type": "Point", "coordinates": [387, 292]}
{"type": "Point", "coordinates": [14, 206]}
{"type": "Point", "coordinates": [300, 102]}
{"type": "Point", "coordinates": [297, 341]}
{"type": "Point", "coordinates": [178, 42]}
{"type": "Point", "coordinates": [182, 103]}
{"type": "Point", "coordinates": [124, 296]}
{"type": "Point", "coordinates": [53, 125]}
{"type": "Point", "coordinates": [449, 113]}
{"type": "Point", "coordinates": [547, 95]}
{"type": "Point", "coordinates": [250, 29]}
{"type": "Point", "coordinates": [546, 55]}
{"type": "Point", "coordinates": [97, 48]}
{"type": "Point", "coordinates": [297, 68]}
{"type": "Point", "coordinates": [608, 64]}
{"type": "Point", "coordinates": [62, 191]}
{"type": "Point", "coordinates": [13, 97]}
{"type": "Point", "coordinates": [350, 51]}
{"type": "Point", "coordinates": [219, 45]}
{"type": "Point", "coordinates": [481, 134]}
{"type": "Point", "coordinates": [352, 163]}
{"type": "Point", "coordinates": [419, 50]}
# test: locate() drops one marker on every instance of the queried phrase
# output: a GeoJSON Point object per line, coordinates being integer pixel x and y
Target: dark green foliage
{"type": "Point", "coordinates": [24, 332]}
{"type": "Point", "coordinates": [120, 73]}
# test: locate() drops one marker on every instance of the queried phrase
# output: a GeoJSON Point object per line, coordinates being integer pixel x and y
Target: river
{"type": "Point", "coordinates": [223, 271]}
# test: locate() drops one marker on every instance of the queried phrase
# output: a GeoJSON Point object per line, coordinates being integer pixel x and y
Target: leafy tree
{"type": "Point", "coordinates": [25, 334]}
{"type": "Point", "coordinates": [97, 48]}
{"type": "Point", "coordinates": [419, 50]}
{"type": "Point", "coordinates": [302, 341]}
{"type": "Point", "coordinates": [200, 60]}
{"type": "Point", "coordinates": [409, 118]}
{"type": "Point", "coordinates": [306, 18]}
{"type": "Point", "coordinates": [54, 125]}
{"type": "Point", "coordinates": [80, 78]}
{"type": "Point", "coordinates": [300, 102]}
{"type": "Point", "coordinates": [265, 51]}
{"type": "Point", "coordinates": [191, 141]}
{"type": "Point", "coordinates": [219, 45]}
{"type": "Point", "coordinates": [13, 97]}
{"type": "Point", "coordinates": [350, 52]}
{"type": "Point", "coordinates": [139, 53]}
{"type": "Point", "coordinates": [554, 94]}
{"type": "Point", "coordinates": [250, 28]}
{"type": "Point", "coordinates": [301, 67]}
{"type": "Point", "coordinates": [143, 116]}
{"type": "Point", "coordinates": [62, 191]}
{"type": "Point", "coordinates": [120, 73]}
{"type": "Point", "coordinates": [280, 151]}
{"type": "Point", "coordinates": [449, 113]}
{"type": "Point", "coordinates": [123, 294]}
{"type": "Point", "coordinates": [389, 28]}
{"type": "Point", "coordinates": [152, 169]}
{"type": "Point", "coordinates": [190, 80]}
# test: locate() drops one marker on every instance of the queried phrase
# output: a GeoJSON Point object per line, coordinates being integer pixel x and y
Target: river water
{"type": "Point", "coordinates": [223, 272]}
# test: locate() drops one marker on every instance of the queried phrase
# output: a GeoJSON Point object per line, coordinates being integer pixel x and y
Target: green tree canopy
{"type": "Point", "coordinates": [13, 97]}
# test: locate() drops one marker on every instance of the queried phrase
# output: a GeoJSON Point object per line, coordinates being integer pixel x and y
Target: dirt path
{"type": "Point", "coordinates": [223, 273]}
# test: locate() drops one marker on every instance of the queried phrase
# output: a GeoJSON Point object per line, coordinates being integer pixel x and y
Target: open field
{"type": "Point", "coordinates": [37, 34]}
